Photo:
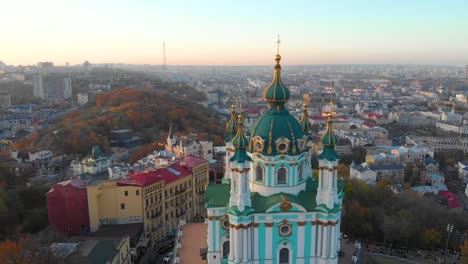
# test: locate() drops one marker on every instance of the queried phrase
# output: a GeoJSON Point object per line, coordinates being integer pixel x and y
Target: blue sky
{"type": "Point", "coordinates": [234, 32]}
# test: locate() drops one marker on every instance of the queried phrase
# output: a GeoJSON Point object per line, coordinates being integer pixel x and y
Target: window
{"type": "Point", "coordinates": [122, 206]}
{"type": "Point", "coordinates": [301, 172]}
{"type": "Point", "coordinates": [284, 256]}
{"type": "Point", "coordinates": [225, 249]}
{"type": "Point", "coordinates": [259, 173]}
{"type": "Point", "coordinates": [126, 193]}
{"type": "Point", "coordinates": [137, 192]}
{"type": "Point", "coordinates": [281, 176]}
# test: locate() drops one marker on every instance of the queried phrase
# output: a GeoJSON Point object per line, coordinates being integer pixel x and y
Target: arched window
{"type": "Point", "coordinates": [301, 172]}
{"type": "Point", "coordinates": [284, 256]}
{"type": "Point", "coordinates": [259, 173]}
{"type": "Point", "coordinates": [281, 176]}
{"type": "Point", "coordinates": [225, 249]}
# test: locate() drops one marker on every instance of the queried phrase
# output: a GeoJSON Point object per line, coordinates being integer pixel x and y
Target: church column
{"type": "Point", "coordinates": [255, 240]}
{"type": "Point", "coordinates": [326, 241]}
{"type": "Point", "coordinates": [268, 239]}
{"type": "Point", "coordinates": [300, 242]}
{"type": "Point", "coordinates": [239, 241]}
{"type": "Point", "coordinates": [313, 244]}
{"type": "Point", "coordinates": [245, 245]}
{"type": "Point", "coordinates": [232, 241]}
{"type": "Point", "coordinates": [333, 249]}
{"type": "Point", "coordinates": [319, 240]}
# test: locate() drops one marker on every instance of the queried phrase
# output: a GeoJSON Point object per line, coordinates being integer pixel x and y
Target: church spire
{"type": "Point", "coordinates": [231, 125]}
{"type": "Point", "coordinates": [240, 142]}
{"type": "Point", "coordinates": [329, 138]}
{"type": "Point", "coordinates": [276, 92]}
{"type": "Point", "coordinates": [304, 121]}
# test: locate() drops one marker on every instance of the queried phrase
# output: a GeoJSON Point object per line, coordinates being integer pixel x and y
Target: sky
{"type": "Point", "coordinates": [217, 32]}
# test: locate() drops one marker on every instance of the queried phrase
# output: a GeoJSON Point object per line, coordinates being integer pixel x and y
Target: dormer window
{"type": "Point", "coordinates": [259, 173]}
{"type": "Point", "coordinates": [281, 176]}
{"type": "Point", "coordinates": [258, 144]}
{"type": "Point", "coordinates": [282, 145]}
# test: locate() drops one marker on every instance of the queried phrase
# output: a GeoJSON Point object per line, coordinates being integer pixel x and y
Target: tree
{"type": "Point", "coordinates": [359, 154]}
{"type": "Point", "coordinates": [464, 251]}
{"type": "Point", "coordinates": [343, 171]}
{"type": "Point", "coordinates": [432, 237]}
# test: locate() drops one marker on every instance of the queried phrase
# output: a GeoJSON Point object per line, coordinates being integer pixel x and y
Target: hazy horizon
{"type": "Point", "coordinates": [240, 33]}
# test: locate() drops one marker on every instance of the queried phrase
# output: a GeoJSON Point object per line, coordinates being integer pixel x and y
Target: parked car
{"type": "Point", "coordinates": [168, 257]}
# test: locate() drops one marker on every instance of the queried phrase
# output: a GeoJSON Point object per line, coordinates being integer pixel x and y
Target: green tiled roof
{"type": "Point", "coordinates": [304, 121]}
{"type": "Point", "coordinates": [276, 92]}
{"type": "Point", "coordinates": [240, 143]}
{"type": "Point", "coordinates": [217, 195]}
{"type": "Point", "coordinates": [329, 153]}
{"type": "Point", "coordinates": [276, 123]}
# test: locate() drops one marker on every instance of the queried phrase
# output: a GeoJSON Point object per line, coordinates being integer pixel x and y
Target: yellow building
{"type": "Point", "coordinates": [111, 203]}
{"type": "Point", "coordinates": [159, 198]}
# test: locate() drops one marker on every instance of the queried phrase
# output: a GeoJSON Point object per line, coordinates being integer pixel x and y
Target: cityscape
{"type": "Point", "coordinates": [210, 144]}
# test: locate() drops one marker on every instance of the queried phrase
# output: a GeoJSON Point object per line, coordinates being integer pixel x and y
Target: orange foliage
{"type": "Point", "coordinates": [25, 142]}
{"type": "Point", "coordinates": [119, 96]}
{"type": "Point", "coordinates": [10, 252]}
{"type": "Point", "coordinates": [144, 151]}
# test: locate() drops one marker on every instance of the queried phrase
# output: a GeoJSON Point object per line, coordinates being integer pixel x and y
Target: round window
{"type": "Point", "coordinates": [282, 146]}
{"type": "Point", "coordinates": [226, 224]}
{"type": "Point", "coordinates": [285, 230]}
{"type": "Point", "coordinates": [258, 145]}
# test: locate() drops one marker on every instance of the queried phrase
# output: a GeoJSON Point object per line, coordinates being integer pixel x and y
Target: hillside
{"type": "Point", "coordinates": [148, 112]}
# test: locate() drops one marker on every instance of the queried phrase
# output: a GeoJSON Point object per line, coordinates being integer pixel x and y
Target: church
{"type": "Point", "coordinates": [269, 208]}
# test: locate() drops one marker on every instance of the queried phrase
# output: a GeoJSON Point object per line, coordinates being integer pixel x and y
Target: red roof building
{"type": "Point", "coordinates": [67, 207]}
{"type": "Point", "coordinates": [452, 201]}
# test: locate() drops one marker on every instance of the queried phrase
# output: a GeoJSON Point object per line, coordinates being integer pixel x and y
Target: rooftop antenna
{"type": "Point", "coordinates": [164, 66]}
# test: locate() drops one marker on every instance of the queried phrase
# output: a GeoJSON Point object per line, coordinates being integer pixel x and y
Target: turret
{"type": "Point", "coordinates": [231, 128]}
{"type": "Point", "coordinates": [240, 191]}
{"type": "Point", "coordinates": [328, 163]}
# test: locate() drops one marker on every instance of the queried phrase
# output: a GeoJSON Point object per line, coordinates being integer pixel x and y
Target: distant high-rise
{"type": "Point", "coordinates": [466, 72]}
{"type": "Point", "coordinates": [52, 86]}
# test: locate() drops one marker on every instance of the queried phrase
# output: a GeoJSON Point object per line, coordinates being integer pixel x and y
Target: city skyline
{"type": "Point", "coordinates": [241, 33]}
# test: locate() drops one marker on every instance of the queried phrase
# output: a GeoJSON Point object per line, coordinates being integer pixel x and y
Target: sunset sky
{"type": "Point", "coordinates": [234, 32]}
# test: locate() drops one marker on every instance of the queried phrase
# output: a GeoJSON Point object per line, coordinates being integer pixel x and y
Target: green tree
{"type": "Point", "coordinates": [432, 237]}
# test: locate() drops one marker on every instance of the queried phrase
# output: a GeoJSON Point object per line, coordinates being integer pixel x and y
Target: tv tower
{"type": "Point", "coordinates": [164, 66]}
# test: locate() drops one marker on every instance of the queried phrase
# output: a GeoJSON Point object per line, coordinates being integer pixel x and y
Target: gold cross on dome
{"type": "Point", "coordinates": [278, 44]}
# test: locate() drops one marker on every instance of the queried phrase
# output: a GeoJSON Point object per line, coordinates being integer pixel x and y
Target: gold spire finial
{"type": "Point", "coordinates": [278, 45]}
{"type": "Point", "coordinates": [240, 119]}
{"type": "Point", "coordinates": [233, 108]}
{"type": "Point", "coordinates": [278, 57]}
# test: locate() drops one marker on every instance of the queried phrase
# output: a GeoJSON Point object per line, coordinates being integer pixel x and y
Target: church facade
{"type": "Point", "coordinates": [269, 208]}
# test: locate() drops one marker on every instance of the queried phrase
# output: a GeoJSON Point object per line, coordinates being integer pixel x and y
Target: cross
{"type": "Point", "coordinates": [278, 43]}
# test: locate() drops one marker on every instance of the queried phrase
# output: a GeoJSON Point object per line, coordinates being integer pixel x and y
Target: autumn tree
{"type": "Point", "coordinates": [464, 251]}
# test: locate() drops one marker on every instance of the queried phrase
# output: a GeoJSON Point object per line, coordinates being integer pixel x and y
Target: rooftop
{"type": "Point", "coordinates": [189, 252]}
{"type": "Point", "coordinates": [192, 161]}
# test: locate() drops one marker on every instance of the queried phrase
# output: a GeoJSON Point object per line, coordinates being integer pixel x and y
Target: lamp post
{"type": "Point", "coordinates": [449, 231]}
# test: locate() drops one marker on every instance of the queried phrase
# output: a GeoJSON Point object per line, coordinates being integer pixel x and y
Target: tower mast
{"type": "Point", "coordinates": [164, 66]}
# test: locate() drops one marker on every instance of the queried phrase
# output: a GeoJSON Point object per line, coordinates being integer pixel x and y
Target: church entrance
{"type": "Point", "coordinates": [225, 249]}
{"type": "Point", "coordinates": [284, 256]}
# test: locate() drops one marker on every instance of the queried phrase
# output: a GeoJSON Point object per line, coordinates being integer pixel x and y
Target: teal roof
{"type": "Point", "coordinates": [276, 123]}
{"type": "Point", "coordinates": [329, 138]}
{"type": "Point", "coordinates": [276, 92]}
{"type": "Point", "coordinates": [329, 153]}
{"type": "Point", "coordinates": [304, 121]}
{"type": "Point", "coordinates": [328, 141]}
{"type": "Point", "coordinates": [240, 143]}
{"type": "Point", "coordinates": [217, 195]}
{"type": "Point", "coordinates": [96, 152]}
{"type": "Point", "coordinates": [231, 125]}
